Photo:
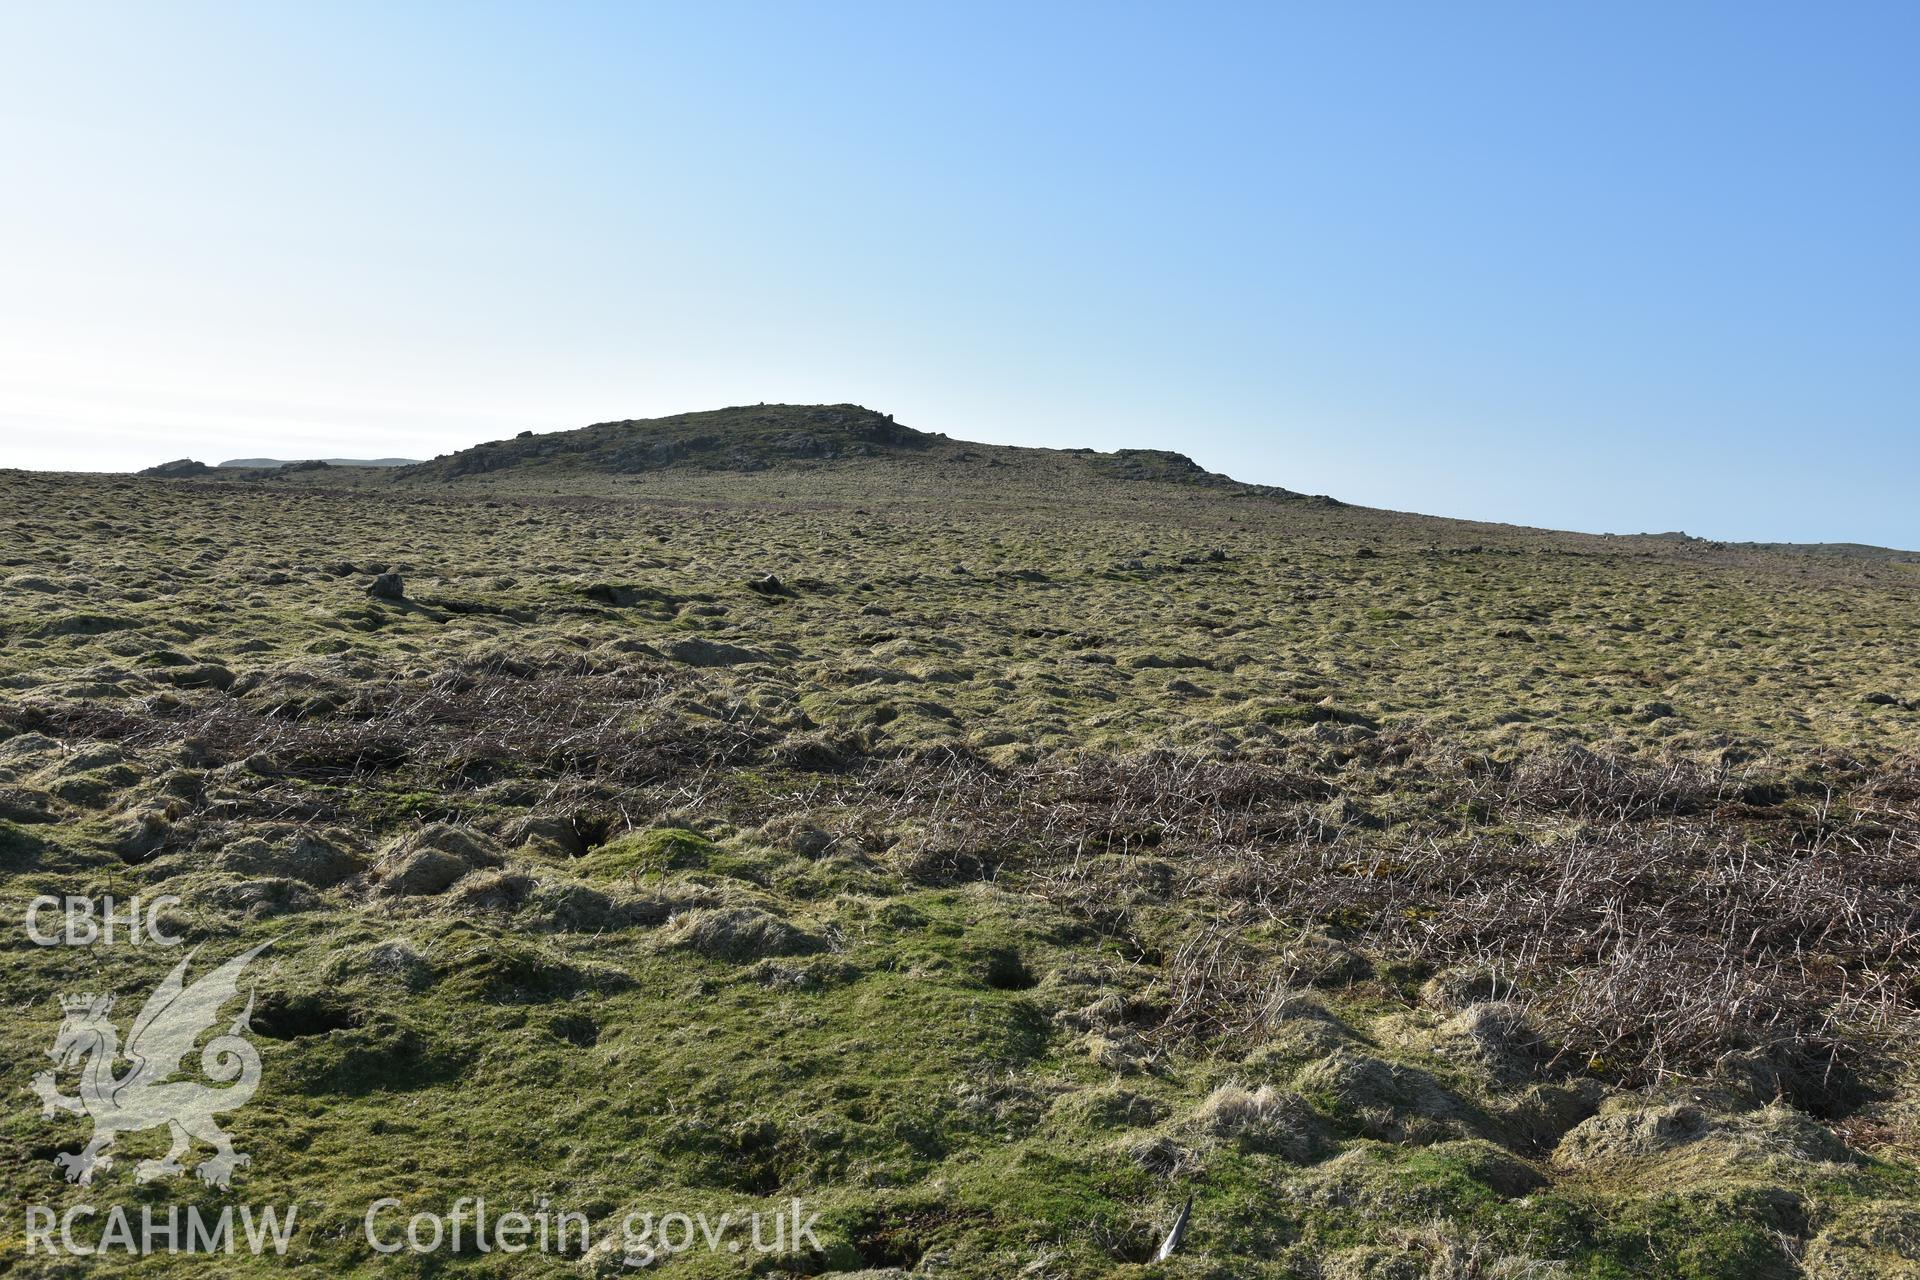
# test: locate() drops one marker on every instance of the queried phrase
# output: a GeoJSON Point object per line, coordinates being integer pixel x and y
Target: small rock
{"type": "Point", "coordinates": [387, 586]}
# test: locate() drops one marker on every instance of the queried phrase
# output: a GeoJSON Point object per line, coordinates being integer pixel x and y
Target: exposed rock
{"type": "Point", "coordinates": [387, 586]}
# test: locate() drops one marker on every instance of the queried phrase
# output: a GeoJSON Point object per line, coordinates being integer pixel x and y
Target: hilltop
{"type": "Point", "coordinates": [756, 438]}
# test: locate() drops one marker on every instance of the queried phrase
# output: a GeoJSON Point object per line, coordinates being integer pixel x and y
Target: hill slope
{"type": "Point", "coordinates": [990, 866]}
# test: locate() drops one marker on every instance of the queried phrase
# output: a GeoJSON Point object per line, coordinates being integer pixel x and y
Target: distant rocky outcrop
{"type": "Point", "coordinates": [767, 437]}
{"type": "Point", "coordinates": [748, 438]}
{"type": "Point", "coordinates": [310, 464]}
{"type": "Point", "coordinates": [179, 469]}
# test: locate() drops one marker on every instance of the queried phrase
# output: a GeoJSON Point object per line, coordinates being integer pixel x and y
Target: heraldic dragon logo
{"type": "Point", "coordinates": [144, 1097]}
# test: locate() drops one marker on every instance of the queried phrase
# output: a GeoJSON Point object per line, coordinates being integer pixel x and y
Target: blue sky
{"type": "Point", "coordinates": [1612, 267]}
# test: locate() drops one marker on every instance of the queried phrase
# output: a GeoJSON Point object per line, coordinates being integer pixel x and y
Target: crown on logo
{"type": "Point", "coordinates": [90, 1004]}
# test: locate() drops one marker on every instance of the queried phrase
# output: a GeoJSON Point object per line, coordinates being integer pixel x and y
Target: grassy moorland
{"type": "Point", "coordinates": [992, 848]}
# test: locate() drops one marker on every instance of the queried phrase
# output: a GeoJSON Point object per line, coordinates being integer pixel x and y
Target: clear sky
{"type": "Point", "coordinates": [1611, 266]}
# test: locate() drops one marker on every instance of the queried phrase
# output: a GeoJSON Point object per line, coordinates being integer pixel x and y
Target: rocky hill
{"type": "Point", "coordinates": [753, 438]}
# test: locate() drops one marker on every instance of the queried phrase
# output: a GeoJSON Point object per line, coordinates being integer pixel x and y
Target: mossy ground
{"type": "Point", "coordinates": [919, 884]}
